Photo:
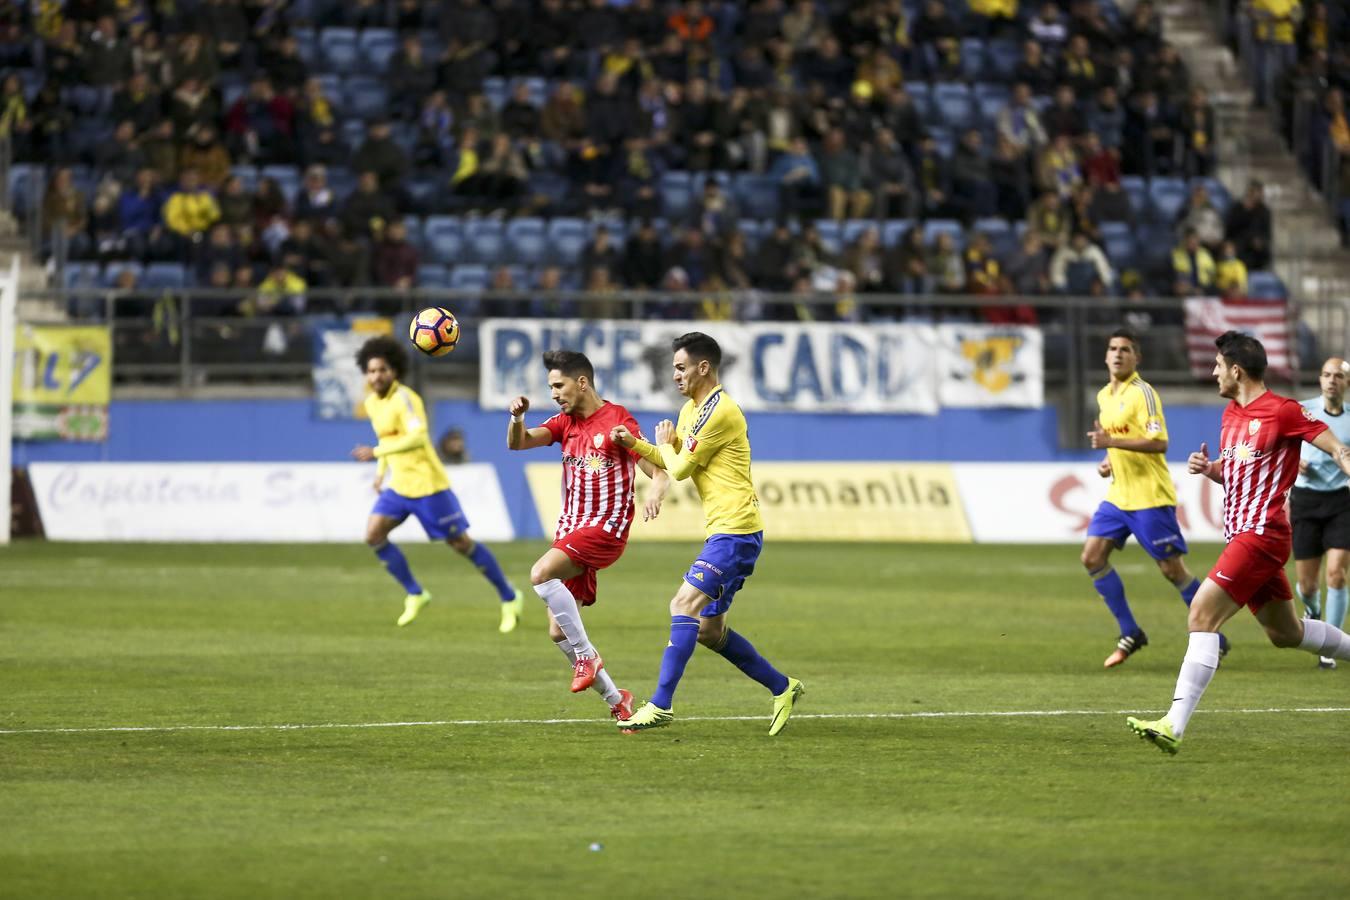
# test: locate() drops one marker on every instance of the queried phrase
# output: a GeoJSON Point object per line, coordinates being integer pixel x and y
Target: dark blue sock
{"type": "Point", "coordinates": [683, 640]}
{"type": "Point", "coordinates": [743, 655]}
{"type": "Point", "coordinates": [1113, 592]}
{"type": "Point", "coordinates": [487, 564]}
{"type": "Point", "coordinates": [397, 564]}
{"type": "Point", "coordinates": [1188, 592]}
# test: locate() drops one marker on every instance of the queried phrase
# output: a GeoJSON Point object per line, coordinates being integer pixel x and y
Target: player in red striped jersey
{"type": "Point", "coordinates": [597, 509]}
{"type": "Point", "coordinates": [1260, 442]}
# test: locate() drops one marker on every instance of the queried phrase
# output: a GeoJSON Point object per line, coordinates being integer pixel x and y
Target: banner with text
{"type": "Point", "coordinates": [62, 383]}
{"type": "Point", "coordinates": [816, 367]}
{"type": "Point", "coordinates": [987, 365]}
{"type": "Point", "coordinates": [239, 501]}
{"type": "Point", "coordinates": [339, 384]}
{"type": "Point", "coordinates": [1053, 502]}
{"type": "Point", "coordinates": [821, 501]}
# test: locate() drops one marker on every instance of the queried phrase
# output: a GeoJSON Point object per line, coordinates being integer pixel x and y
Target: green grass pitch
{"type": "Point", "coordinates": [861, 796]}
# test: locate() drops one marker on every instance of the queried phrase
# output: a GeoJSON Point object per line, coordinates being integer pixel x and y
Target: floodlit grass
{"type": "Point", "coordinates": [166, 637]}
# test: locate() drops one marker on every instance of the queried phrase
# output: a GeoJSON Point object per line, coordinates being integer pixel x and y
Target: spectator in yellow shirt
{"type": "Point", "coordinates": [191, 209]}
{"type": "Point", "coordinates": [1274, 25]}
{"type": "Point", "coordinates": [1230, 273]}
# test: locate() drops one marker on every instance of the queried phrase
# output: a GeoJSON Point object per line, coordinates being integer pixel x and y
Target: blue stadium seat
{"type": "Point", "coordinates": [942, 137]}
{"type": "Point", "coordinates": [1218, 193]}
{"type": "Point", "coordinates": [933, 227]}
{"type": "Point", "coordinates": [378, 46]}
{"type": "Point", "coordinates": [893, 231]}
{"type": "Point", "coordinates": [1000, 234]}
{"type": "Point", "coordinates": [331, 83]}
{"type": "Point", "coordinates": [539, 90]}
{"type": "Point", "coordinates": [1001, 58]}
{"type": "Point", "coordinates": [23, 186]}
{"type": "Point", "coordinates": [247, 174]}
{"type": "Point", "coordinates": [1167, 195]}
{"type": "Point", "coordinates": [286, 177]}
{"type": "Point", "coordinates": [413, 225]}
{"type": "Point", "coordinates": [495, 90]}
{"type": "Point", "coordinates": [308, 43]}
{"type": "Point", "coordinates": [444, 238]}
{"type": "Point", "coordinates": [677, 197]}
{"type": "Point", "coordinates": [164, 275]}
{"type": "Point", "coordinates": [831, 235]}
{"type": "Point", "coordinates": [471, 277]}
{"type": "Point", "coordinates": [113, 270]}
{"type": "Point", "coordinates": [352, 133]}
{"type": "Point", "coordinates": [954, 105]}
{"type": "Point", "coordinates": [921, 95]}
{"type": "Point", "coordinates": [551, 185]}
{"type": "Point", "coordinates": [423, 190]}
{"type": "Point", "coordinates": [1118, 243]}
{"type": "Point", "coordinates": [855, 227]}
{"type": "Point", "coordinates": [80, 275]}
{"type": "Point", "coordinates": [757, 195]}
{"type": "Point", "coordinates": [1265, 286]}
{"type": "Point", "coordinates": [339, 50]}
{"type": "Point", "coordinates": [617, 228]}
{"type": "Point", "coordinates": [366, 97]}
{"type": "Point", "coordinates": [753, 231]}
{"type": "Point", "coordinates": [342, 181]}
{"type": "Point", "coordinates": [433, 275]}
{"type": "Point", "coordinates": [567, 240]}
{"type": "Point", "coordinates": [527, 241]}
{"type": "Point", "coordinates": [1079, 278]}
{"type": "Point", "coordinates": [1136, 189]}
{"type": "Point", "coordinates": [1153, 245]}
{"type": "Point", "coordinates": [972, 57]}
{"type": "Point", "coordinates": [485, 240]}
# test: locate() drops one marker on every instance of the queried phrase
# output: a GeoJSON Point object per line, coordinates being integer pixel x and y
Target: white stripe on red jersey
{"type": "Point", "coordinates": [598, 476]}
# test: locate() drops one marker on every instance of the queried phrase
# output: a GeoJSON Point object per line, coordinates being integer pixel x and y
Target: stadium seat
{"type": "Point", "coordinates": [552, 186]}
{"type": "Point", "coordinates": [378, 46]}
{"type": "Point", "coordinates": [538, 88]}
{"type": "Point", "coordinates": [677, 199]}
{"type": "Point", "coordinates": [339, 50]}
{"type": "Point", "coordinates": [831, 235]}
{"type": "Point", "coordinates": [433, 275]}
{"type": "Point", "coordinates": [757, 195]}
{"type": "Point", "coordinates": [972, 58]}
{"type": "Point", "coordinates": [286, 177]}
{"type": "Point", "coordinates": [933, 227]}
{"type": "Point", "coordinates": [1000, 234]}
{"type": "Point", "coordinates": [1079, 278]}
{"type": "Point", "coordinates": [424, 191]}
{"type": "Point", "coordinates": [495, 90]}
{"type": "Point", "coordinates": [23, 186]}
{"type": "Point", "coordinates": [342, 181]}
{"type": "Point", "coordinates": [855, 227]}
{"type": "Point", "coordinates": [1218, 194]}
{"type": "Point", "coordinates": [1137, 190]}
{"type": "Point", "coordinates": [1118, 243]}
{"type": "Point", "coordinates": [352, 133]}
{"type": "Point", "coordinates": [366, 97]}
{"type": "Point", "coordinates": [113, 270]}
{"type": "Point", "coordinates": [942, 137]}
{"type": "Point", "coordinates": [80, 275]}
{"type": "Point", "coordinates": [1001, 58]}
{"type": "Point", "coordinates": [1153, 245]}
{"type": "Point", "coordinates": [444, 238]}
{"type": "Point", "coordinates": [331, 83]}
{"type": "Point", "coordinates": [921, 95]}
{"type": "Point", "coordinates": [954, 105]}
{"type": "Point", "coordinates": [527, 241]}
{"type": "Point", "coordinates": [893, 231]}
{"type": "Point", "coordinates": [471, 277]}
{"type": "Point", "coordinates": [308, 43]}
{"type": "Point", "coordinates": [485, 241]}
{"type": "Point", "coordinates": [413, 225]}
{"type": "Point", "coordinates": [1167, 195]}
{"type": "Point", "coordinates": [753, 231]}
{"type": "Point", "coordinates": [164, 275]}
{"type": "Point", "coordinates": [567, 239]}
{"type": "Point", "coordinates": [1265, 286]}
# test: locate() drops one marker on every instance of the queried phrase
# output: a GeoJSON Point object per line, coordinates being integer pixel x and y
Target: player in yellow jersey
{"type": "Point", "coordinates": [418, 485]}
{"type": "Point", "coordinates": [711, 445]}
{"type": "Point", "coordinates": [1141, 500]}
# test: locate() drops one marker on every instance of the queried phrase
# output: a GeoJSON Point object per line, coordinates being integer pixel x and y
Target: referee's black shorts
{"type": "Point", "coordinates": [1321, 521]}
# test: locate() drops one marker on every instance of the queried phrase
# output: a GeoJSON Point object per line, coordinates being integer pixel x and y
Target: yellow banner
{"type": "Point", "coordinates": [62, 382]}
{"type": "Point", "coordinates": [822, 501]}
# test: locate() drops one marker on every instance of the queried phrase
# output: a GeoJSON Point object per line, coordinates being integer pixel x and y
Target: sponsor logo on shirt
{"type": "Point", "coordinates": [591, 462]}
{"type": "Point", "coordinates": [690, 443]}
{"type": "Point", "coordinates": [1242, 452]}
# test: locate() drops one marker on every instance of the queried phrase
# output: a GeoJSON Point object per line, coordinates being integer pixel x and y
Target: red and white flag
{"type": "Point", "coordinates": [1268, 322]}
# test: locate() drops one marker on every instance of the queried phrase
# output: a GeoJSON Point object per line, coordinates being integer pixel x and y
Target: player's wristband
{"type": "Point", "coordinates": [518, 419]}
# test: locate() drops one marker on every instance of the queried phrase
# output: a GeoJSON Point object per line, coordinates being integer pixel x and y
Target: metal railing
{"type": "Point", "coordinates": [183, 340]}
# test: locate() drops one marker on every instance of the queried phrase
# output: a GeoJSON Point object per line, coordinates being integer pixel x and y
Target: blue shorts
{"type": "Point", "coordinates": [441, 516]}
{"type": "Point", "coordinates": [1155, 528]}
{"type": "Point", "coordinates": [722, 567]}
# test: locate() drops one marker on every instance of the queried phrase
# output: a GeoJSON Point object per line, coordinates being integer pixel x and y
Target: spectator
{"type": "Point", "coordinates": [261, 124]}
{"type": "Point", "coordinates": [49, 135]}
{"type": "Point", "coordinates": [395, 258]}
{"type": "Point", "coordinates": [890, 177]}
{"type": "Point", "coordinates": [138, 101]}
{"type": "Point", "coordinates": [1019, 123]}
{"type": "Point", "coordinates": [161, 151]}
{"type": "Point", "coordinates": [207, 156]}
{"type": "Point", "coordinates": [306, 244]}
{"type": "Point", "coordinates": [1028, 268]}
{"type": "Point", "coordinates": [107, 58]}
{"type": "Point", "coordinates": [1166, 75]}
{"type": "Point", "coordinates": [1197, 129]}
{"type": "Point", "coordinates": [1058, 168]}
{"type": "Point", "coordinates": [191, 209]}
{"type": "Point", "coordinates": [122, 156]}
{"type": "Point", "coordinates": [1201, 216]}
{"type": "Point", "coordinates": [1076, 68]}
{"type": "Point", "coordinates": [798, 179]}
{"type": "Point", "coordinates": [228, 26]}
{"type": "Point", "coordinates": [1048, 28]}
{"type": "Point", "coordinates": [1033, 70]}
{"type": "Point", "coordinates": [379, 153]}
{"type": "Point", "coordinates": [1048, 218]}
{"type": "Point", "coordinates": [1101, 165]}
{"type": "Point", "coordinates": [1149, 137]}
{"type": "Point", "coordinates": [1080, 209]}
{"type": "Point", "coordinates": [1230, 274]}
{"type": "Point", "coordinates": [368, 209]}
{"type": "Point", "coordinates": [903, 118]}
{"type": "Point", "coordinates": [65, 210]}
{"type": "Point", "coordinates": [220, 249]}
{"type": "Point", "coordinates": [973, 192]}
{"type": "Point", "coordinates": [192, 58]}
{"type": "Point", "coordinates": [864, 259]}
{"type": "Point", "coordinates": [520, 117]}
{"type": "Point", "coordinates": [1063, 117]}
{"type": "Point", "coordinates": [502, 175]}
{"type": "Point", "coordinates": [1110, 203]}
{"type": "Point", "coordinates": [774, 266]}
{"type": "Point", "coordinates": [1192, 268]}
{"type": "Point", "coordinates": [907, 268]}
{"type": "Point", "coordinates": [934, 179]}
{"type": "Point", "coordinates": [1080, 267]}
{"type": "Point", "coordinates": [281, 293]}
{"type": "Point", "coordinates": [600, 253]}
{"type": "Point", "coordinates": [1248, 227]}
{"type": "Point", "coordinates": [1274, 31]}
{"type": "Point", "coordinates": [716, 212]}
{"type": "Point", "coordinates": [433, 146]}
{"type": "Point", "coordinates": [314, 112]}
{"type": "Point", "coordinates": [451, 447]}
{"type": "Point", "coordinates": [642, 258]}
{"type": "Point", "coordinates": [14, 122]}
{"type": "Point", "coordinates": [946, 265]}
{"type": "Point", "coordinates": [139, 213]}
{"type": "Point", "coordinates": [702, 123]}
{"type": "Point", "coordinates": [639, 176]}
{"type": "Point", "coordinates": [316, 199]}
{"type": "Point", "coordinates": [1106, 118]}
{"type": "Point", "coordinates": [283, 65]}
{"type": "Point", "coordinates": [692, 256]}
{"type": "Point", "coordinates": [411, 77]}
{"type": "Point", "coordinates": [938, 39]}
{"type": "Point", "coordinates": [732, 264]}
{"type": "Point", "coordinates": [236, 204]}
{"type": "Point", "coordinates": [192, 107]}
{"type": "Point", "coordinates": [1143, 31]}
{"type": "Point", "coordinates": [993, 17]}
{"type": "Point", "coordinates": [1011, 176]}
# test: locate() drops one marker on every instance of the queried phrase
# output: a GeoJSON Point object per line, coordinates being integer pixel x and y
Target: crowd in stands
{"type": "Point", "coordinates": [270, 147]}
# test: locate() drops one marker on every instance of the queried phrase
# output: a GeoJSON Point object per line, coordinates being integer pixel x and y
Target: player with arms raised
{"type": "Point", "coordinates": [1258, 462]}
{"type": "Point", "coordinates": [1142, 500]}
{"type": "Point", "coordinates": [597, 509]}
{"type": "Point", "coordinates": [711, 445]}
{"type": "Point", "coordinates": [418, 485]}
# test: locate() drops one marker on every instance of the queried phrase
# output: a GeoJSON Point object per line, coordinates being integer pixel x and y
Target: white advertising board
{"type": "Point", "coordinates": [1053, 502]}
{"type": "Point", "coordinates": [239, 501]}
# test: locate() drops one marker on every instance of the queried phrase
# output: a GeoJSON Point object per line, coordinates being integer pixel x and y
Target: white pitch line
{"type": "Point", "coordinates": [445, 723]}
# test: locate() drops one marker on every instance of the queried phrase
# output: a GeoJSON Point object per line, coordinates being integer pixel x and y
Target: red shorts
{"type": "Point", "coordinates": [593, 549]}
{"type": "Point", "coordinates": [1251, 570]}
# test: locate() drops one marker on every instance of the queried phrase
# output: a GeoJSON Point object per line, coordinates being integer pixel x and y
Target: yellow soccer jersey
{"type": "Point", "coordinates": [400, 422]}
{"type": "Point", "coordinates": [715, 441]}
{"type": "Point", "coordinates": [1134, 412]}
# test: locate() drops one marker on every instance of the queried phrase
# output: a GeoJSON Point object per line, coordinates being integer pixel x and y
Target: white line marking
{"type": "Point", "coordinates": [447, 723]}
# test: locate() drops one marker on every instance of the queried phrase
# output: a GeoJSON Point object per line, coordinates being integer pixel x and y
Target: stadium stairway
{"type": "Point", "coordinates": [32, 274]}
{"type": "Point", "coordinates": [1308, 258]}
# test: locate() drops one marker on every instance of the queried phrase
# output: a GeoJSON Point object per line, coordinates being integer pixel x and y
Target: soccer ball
{"type": "Point", "coordinates": [434, 331]}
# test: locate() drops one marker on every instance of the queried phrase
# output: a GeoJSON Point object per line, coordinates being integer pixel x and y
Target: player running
{"type": "Point", "coordinates": [1319, 505]}
{"type": "Point", "coordinates": [1141, 500]}
{"type": "Point", "coordinates": [418, 485]}
{"type": "Point", "coordinates": [1257, 464]}
{"type": "Point", "coordinates": [711, 445]}
{"type": "Point", "coordinates": [597, 510]}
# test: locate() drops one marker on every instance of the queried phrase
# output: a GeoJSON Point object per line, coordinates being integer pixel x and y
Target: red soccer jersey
{"type": "Point", "coordinates": [1260, 446]}
{"type": "Point", "coordinates": [597, 488]}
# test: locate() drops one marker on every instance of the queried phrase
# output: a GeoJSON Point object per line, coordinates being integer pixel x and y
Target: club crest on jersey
{"type": "Point", "coordinates": [1253, 426]}
{"type": "Point", "coordinates": [599, 440]}
{"type": "Point", "coordinates": [690, 443]}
